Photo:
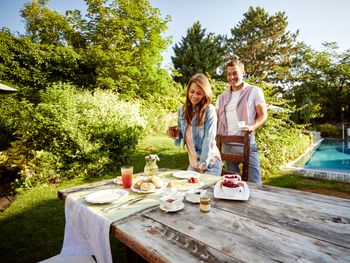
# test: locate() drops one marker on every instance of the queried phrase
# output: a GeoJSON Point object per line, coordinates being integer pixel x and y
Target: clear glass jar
{"type": "Point", "coordinates": [204, 205]}
{"type": "Point", "coordinates": [151, 168]}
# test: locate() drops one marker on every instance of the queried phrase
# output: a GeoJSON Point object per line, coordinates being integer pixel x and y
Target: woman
{"type": "Point", "coordinates": [197, 122]}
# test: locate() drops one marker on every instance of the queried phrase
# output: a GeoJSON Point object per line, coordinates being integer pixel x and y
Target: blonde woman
{"type": "Point", "coordinates": [197, 123]}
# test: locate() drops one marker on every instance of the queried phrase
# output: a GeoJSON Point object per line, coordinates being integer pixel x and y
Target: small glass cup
{"type": "Point", "coordinates": [173, 132]}
{"type": "Point", "coordinates": [241, 124]}
{"type": "Point", "coordinates": [127, 175]}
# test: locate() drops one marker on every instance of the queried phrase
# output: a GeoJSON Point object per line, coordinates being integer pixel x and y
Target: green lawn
{"type": "Point", "coordinates": [32, 228]}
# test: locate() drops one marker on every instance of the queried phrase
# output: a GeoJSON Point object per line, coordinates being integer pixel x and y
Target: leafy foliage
{"type": "Point", "coordinates": [197, 53]}
{"type": "Point", "coordinates": [124, 38]}
{"type": "Point", "coordinates": [43, 25]}
{"type": "Point", "coordinates": [117, 45]}
{"type": "Point", "coordinates": [32, 66]}
{"type": "Point", "coordinates": [327, 130]}
{"type": "Point", "coordinates": [72, 133]}
{"type": "Point", "coordinates": [279, 142]}
{"type": "Point", "coordinates": [322, 89]}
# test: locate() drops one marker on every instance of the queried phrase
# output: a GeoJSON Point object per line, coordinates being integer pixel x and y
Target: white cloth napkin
{"type": "Point", "coordinates": [82, 235]}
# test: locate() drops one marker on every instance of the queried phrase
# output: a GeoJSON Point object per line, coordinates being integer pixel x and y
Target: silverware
{"type": "Point", "coordinates": [129, 202]}
{"type": "Point", "coordinates": [80, 189]}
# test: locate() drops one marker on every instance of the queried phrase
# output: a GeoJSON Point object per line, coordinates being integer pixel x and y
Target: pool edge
{"type": "Point", "coordinates": [319, 174]}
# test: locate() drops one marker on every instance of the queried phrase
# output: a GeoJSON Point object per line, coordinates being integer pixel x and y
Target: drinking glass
{"type": "Point", "coordinates": [127, 175]}
{"type": "Point", "coordinates": [241, 124]}
{"type": "Point", "coordinates": [173, 132]}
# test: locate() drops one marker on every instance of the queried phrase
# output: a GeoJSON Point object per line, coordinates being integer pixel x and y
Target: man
{"type": "Point", "coordinates": [240, 103]}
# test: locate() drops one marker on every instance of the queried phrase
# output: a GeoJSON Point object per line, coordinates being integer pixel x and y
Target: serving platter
{"type": "Point", "coordinates": [183, 185]}
{"type": "Point", "coordinates": [106, 196]}
{"type": "Point", "coordinates": [142, 178]}
{"type": "Point", "coordinates": [243, 195]}
{"type": "Point", "coordinates": [132, 188]}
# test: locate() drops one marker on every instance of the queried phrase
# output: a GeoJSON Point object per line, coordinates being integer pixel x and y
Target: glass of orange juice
{"type": "Point", "coordinates": [127, 175]}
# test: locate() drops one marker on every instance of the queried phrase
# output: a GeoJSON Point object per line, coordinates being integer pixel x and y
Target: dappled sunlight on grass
{"type": "Point", "coordinates": [302, 183]}
{"type": "Point", "coordinates": [171, 156]}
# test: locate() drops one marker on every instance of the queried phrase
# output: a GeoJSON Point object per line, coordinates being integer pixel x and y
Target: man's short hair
{"type": "Point", "coordinates": [235, 62]}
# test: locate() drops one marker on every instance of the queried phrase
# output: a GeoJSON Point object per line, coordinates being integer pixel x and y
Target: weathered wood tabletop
{"type": "Point", "coordinates": [274, 225]}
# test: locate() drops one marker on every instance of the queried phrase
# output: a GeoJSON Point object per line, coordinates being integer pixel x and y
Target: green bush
{"type": "Point", "coordinates": [327, 130]}
{"type": "Point", "coordinates": [279, 141]}
{"type": "Point", "coordinates": [73, 133]}
{"type": "Point", "coordinates": [160, 109]}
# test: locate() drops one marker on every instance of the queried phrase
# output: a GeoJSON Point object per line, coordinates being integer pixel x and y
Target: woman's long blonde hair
{"type": "Point", "coordinates": [202, 81]}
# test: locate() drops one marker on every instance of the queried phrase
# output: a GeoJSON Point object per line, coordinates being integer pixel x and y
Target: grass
{"type": "Point", "coordinates": [32, 228]}
{"type": "Point", "coordinates": [298, 182]}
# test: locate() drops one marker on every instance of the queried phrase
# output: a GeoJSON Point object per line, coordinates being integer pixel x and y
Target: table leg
{"type": "Point", "coordinates": [132, 257]}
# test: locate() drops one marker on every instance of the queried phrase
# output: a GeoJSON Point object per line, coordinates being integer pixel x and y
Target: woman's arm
{"type": "Point", "coordinates": [210, 125]}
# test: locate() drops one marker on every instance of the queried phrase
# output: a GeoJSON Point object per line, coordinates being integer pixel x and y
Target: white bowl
{"type": "Point", "coordinates": [232, 191]}
{"type": "Point", "coordinates": [194, 195]}
{"type": "Point", "coordinates": [172, 201]}
{"type": "Point", "coordinates": [235, 178]}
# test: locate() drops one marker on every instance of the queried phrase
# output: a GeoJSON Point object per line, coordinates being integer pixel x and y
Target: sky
{"type": "Point", "coordinates": [317, 21]}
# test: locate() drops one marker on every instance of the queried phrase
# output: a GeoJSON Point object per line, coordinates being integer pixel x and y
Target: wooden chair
{"type": "Point", "coordinates": [235, 157]}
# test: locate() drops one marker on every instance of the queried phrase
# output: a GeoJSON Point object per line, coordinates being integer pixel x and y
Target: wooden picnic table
{"type": "Point", "coordinates": [274, 225]}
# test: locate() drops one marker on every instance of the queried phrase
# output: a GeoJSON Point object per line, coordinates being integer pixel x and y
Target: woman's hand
{"type": "Point", "coordinates": [201, 168]}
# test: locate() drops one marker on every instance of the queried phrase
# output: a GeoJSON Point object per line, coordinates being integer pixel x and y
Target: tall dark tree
{"type": "Point", "coordinates": [262, 43]}
{"type": "Point", "coordinates": [197, 53]}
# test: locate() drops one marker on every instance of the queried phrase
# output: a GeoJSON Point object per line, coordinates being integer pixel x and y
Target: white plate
{"type": "Point", "coordinates": [184, 186]}
{"type": "Point", "coordinates": [186, 174]}
{"type": "Point", "coordinates": [194, 195]}
{"type": "Point", "coordinates": [106, 196]}
{"type": "Point", "coordinates": [244, 128]}
{"type": "Point", "coordinates": [181, 206]}
{"type": "Point", "coordinates": [244, 195]}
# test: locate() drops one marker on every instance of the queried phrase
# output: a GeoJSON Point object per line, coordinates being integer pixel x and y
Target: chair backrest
{"type": "Point", "coordinates": [236, 157]}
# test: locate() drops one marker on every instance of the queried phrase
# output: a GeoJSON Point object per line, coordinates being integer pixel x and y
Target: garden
{"type": "Point", "coordinates": [89, 102]}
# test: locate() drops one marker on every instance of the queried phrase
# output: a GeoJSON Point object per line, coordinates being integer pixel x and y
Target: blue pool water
{"type": "Point", "coordinates": [331, 155]}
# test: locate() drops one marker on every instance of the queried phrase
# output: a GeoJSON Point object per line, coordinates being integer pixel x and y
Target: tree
{"type": "Point", "coordinates": [261, 42]}
{"type": "Point", "coordinates": [198, 53]}
{"type": "Point", "coordinates": [322, 85]}
{"type": "Point", "coordinates": [43, 25]}
{"type": "Point", "coordinates": [34, 65]}
{"type": "Point", "coordinates": [121, 41]}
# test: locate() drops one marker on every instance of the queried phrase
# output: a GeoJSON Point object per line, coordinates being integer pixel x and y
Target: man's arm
{"type": "Point", "coordinates": [261, 116]}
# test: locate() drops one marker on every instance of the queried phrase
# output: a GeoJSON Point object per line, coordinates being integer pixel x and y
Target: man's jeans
{"type": "Point", "coordinates": [254, 162]}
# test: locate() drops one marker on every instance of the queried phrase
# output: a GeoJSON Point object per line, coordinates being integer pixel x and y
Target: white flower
{"type": "Point", "coordinates": [152, 158]}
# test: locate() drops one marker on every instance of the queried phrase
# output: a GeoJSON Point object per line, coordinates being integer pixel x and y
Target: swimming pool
{"type": "Point", "coordinates": [331, 155]}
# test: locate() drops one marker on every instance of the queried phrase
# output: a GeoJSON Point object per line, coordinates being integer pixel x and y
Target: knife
{"type": "Point", "coordinates": [129, 202]}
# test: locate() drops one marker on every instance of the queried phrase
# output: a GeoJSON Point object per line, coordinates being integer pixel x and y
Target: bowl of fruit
{"type": "Point", "coordinates": [233, 177]}
{"type": "Point", "coordinates": [229, 187]}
